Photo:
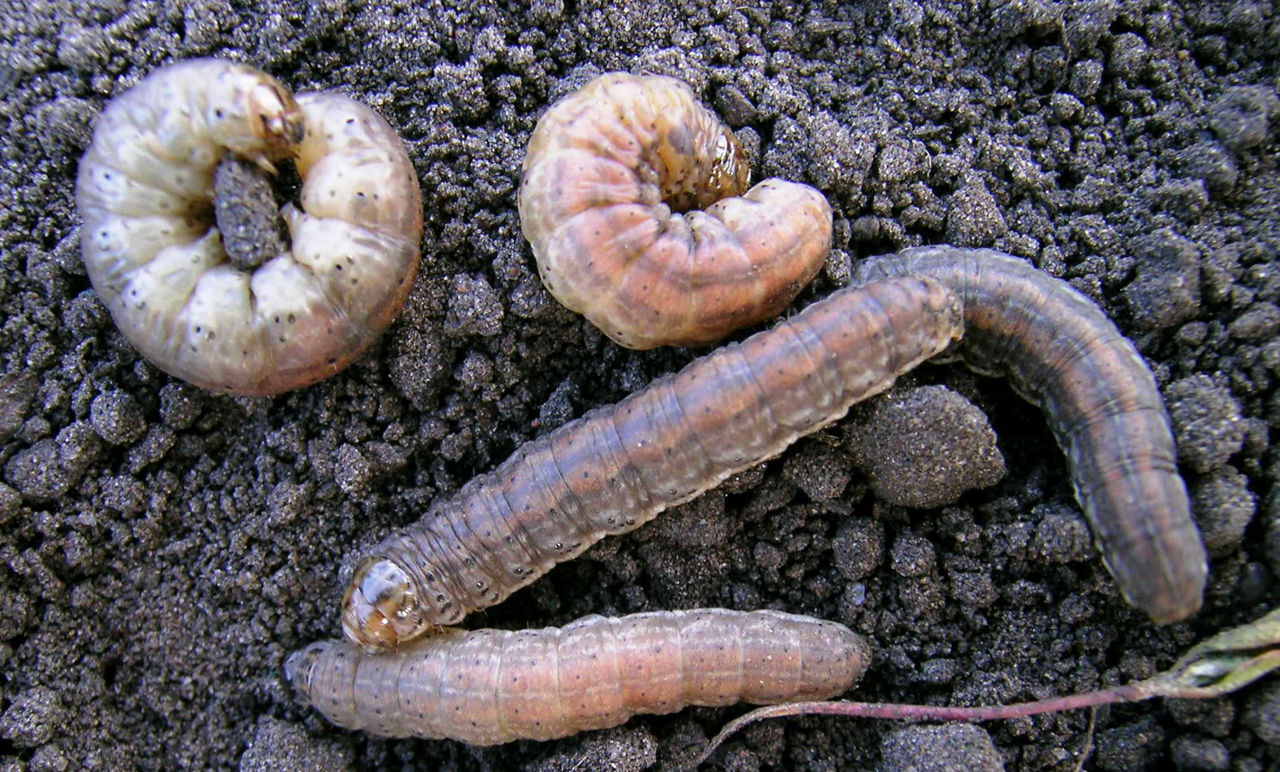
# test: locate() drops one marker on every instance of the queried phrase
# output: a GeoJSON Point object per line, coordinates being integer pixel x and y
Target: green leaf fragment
{"type": "Point", "coordinates": [1226, 662]}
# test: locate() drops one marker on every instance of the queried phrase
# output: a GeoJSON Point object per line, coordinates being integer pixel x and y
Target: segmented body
{"type": "Point", "coordinates": [155, 258]}
{"type": "Point", "coordinates": [492, 686]}
{"type": "Point", "coordinates": [618, 466]}
{"type": "Point", "coordinates": [609, 174]}
{"type": "Point", "coordinates": [1061, 352]}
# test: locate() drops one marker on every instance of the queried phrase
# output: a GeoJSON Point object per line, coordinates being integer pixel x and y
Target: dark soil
{"type": "Point", "coordinates": [163, 549]}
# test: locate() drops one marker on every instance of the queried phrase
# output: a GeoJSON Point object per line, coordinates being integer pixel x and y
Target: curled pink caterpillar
{"type": "Point", "coordinates": [618, 466]}
{"type": "Point", "coordinates": [155, 257]}
{"type": "Point", "coordinates": [493, 686]}
{"type": "Point", "coordinates": [1062, 353]}
{"type": "Point", "coordinates": [632, 199]}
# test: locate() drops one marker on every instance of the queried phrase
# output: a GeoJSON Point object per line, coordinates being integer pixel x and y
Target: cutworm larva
{"type": "Point", "coordinates": [155, 257]}
{"type": "Point", "coordinates": [493, 686]}
{"type": "Point", "coordinates": [616, 467]}
{"type": "Point", "coordinates": [1061, 353]}
{"type": "Point", "coordinates": [611, 174]}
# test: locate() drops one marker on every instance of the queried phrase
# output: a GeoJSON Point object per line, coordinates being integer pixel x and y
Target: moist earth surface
{"type": "Point", "coordinates": [163, 549]}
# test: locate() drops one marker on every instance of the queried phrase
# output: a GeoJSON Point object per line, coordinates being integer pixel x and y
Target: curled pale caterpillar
{"type": "Point", "coordinates": [155, 256]}
{"type": "Point", "coordinates": [632, 199]}
{"type": "Point", "coordinates": [618, 466]}
{"type": "Point", "coordinates": [1061, 353]}
{"type": "Point", "coordinates": [493, 686]}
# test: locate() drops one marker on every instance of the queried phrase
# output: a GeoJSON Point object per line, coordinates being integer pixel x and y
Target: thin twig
{"type": "Point", "coordinates": [1217, 666]}
{"type": "Point", "coordinates": [888, 710]}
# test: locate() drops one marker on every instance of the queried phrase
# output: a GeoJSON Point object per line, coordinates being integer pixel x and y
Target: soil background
{"type": "Point", "coordinates": [163, 549]}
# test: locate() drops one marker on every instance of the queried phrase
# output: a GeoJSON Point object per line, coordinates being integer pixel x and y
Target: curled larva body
{"type": "Point", "coordinates": [493, 686]}
{"type": "Point", "coordinates": [610, 172]}
{"type": "Point", "coordinates": [1061, 353]}
{"type": "Point", "coordinates": [618, 466]}
{"type": "Point", "coordinates": [155, 257]}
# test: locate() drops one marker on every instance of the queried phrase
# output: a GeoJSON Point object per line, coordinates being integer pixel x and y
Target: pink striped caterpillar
{"type": "Point", "coordinates": [618, 466]}
{"type": "Point", "coordinates": [145, 191]}
{"type": "Point", "coordinates": [493, 686]}
{"type": "Point", "coordinates": [610, 175]}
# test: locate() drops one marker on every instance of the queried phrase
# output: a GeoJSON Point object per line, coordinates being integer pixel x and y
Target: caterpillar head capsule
{"type": "Point", "coordinates": [259, 118]}
{"type": "Point", "coordinates": [380, 610]}
{"type": "Point", "coordinates": [279, 118]}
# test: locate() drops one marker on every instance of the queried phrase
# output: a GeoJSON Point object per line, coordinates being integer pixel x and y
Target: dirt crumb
{"type": "Point", "coordinates": [163, 549]}
{"type": "Point", "coordinates": [281, 745]}
{"type": "Point", "coordinates": [1206, 422]}
{"type": "Point", "coordinates": [245, 209]}
{"type": "Point", "coordinates": [623, 750]}
{"type": "Point", "coordinates": [939, 748]}
{"type": "Point", "coordinates": [923, 447]}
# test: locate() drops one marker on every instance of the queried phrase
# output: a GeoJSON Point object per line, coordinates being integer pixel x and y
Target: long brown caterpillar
{"type": "Point", "coordinates": [493, 686]}
{"type": "Point", "coordinates": [632, 199]}
{"type": "Point", "coordinates": [618, 466]}
{"type": "Point", "coordinates": [1061, 353]}
{"type": "Point", "coordinates": [155, 257]}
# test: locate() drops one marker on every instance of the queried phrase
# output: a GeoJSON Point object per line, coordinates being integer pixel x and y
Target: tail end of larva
{"type": "Point", "coordinates": [298, 667]}
{"type": "Point", "coordinates": [1172, 587]}
{"type": "Point", "coordinates": [1141, 516]}
{"type": "Point", "coordinates": [1162, 572]}
{"type": "Point", "coordinates": [322, 675]}
{"type": "Point", "coordinates": [848, 668]}
{"type": "Point", "coordinates": [831, 659]}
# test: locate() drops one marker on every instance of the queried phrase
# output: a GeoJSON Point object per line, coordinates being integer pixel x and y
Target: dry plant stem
{"type": "Point", "coordinates": [1138, 692]}
{"type": "Point", "coordinates": [1220, 665]}
{"type": "Point", "coordinates": [889, 710]}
